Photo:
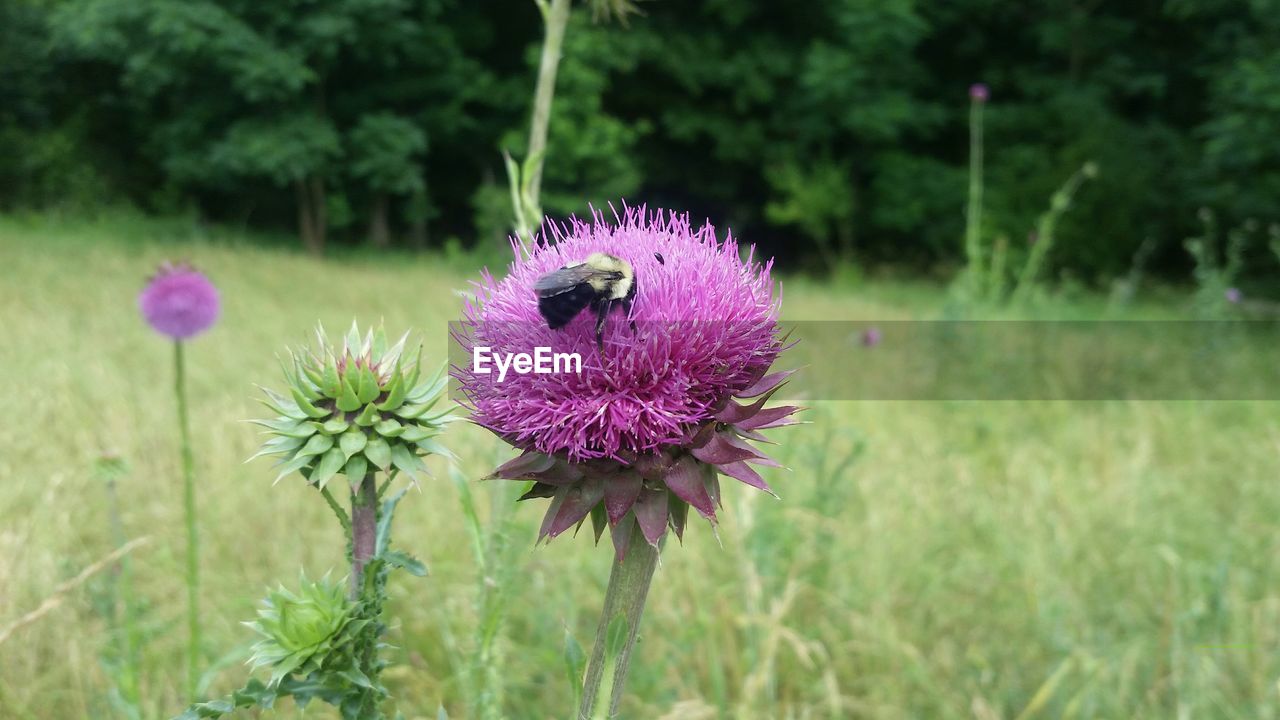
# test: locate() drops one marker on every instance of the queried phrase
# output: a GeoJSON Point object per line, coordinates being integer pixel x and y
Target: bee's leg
{"type": "Point", "coordinates": [626, 310]}
{"type": "Point", "coordinates": [602, 313]}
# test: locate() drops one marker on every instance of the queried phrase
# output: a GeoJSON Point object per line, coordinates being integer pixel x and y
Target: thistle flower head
{"type": "Point", "coordinates": [356, 409]}
{"type": "Point", "coordinates": [300, 631]}
{"type": "Point", "coordinates": [641, 432]}
{"type": "Point", "coordinates": [1233, 295]}
{"type": "Point", "coordinates": [179, 301]}
{"type": "Point", "coordinates": [979, 93]}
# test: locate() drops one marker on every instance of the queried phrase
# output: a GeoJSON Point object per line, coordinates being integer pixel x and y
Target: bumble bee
{"type": "Point", "coordinates": [600, 282]}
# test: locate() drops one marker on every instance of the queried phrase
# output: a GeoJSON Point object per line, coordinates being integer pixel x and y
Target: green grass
{"type": "Point", "coordinates": [926, 560]}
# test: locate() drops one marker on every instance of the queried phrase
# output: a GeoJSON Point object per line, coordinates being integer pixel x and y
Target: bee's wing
{"type": "Point", "coordinates": [563, 280]}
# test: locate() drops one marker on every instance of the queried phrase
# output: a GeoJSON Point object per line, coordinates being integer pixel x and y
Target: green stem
{"type": "Point", "coordinates": [193, 537]}
{"type": "Point", "coordinates": [628, 587]}
{"type": "Point", "coordinates": [556, 18]}
{"type": "Point", "coordinates": [973, 218]}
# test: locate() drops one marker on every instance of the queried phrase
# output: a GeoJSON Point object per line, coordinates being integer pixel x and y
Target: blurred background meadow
{"type": "Point", "coordinates": [332, 159]}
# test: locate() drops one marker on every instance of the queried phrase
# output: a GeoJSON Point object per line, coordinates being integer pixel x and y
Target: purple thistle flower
{"type": "Point", "coordinates": [978, 92]}
{"type": "Point", "coordinates": [1233, 295]}
{"type": "Point", "coordinates": [640, 434]}
{"type": "Point", "coordinates": [179, 302]}
{"type": "Point", "coordinates": [871, 337]}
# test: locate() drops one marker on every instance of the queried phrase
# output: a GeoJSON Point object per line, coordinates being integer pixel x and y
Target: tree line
{"type": "Point", "coordinates": [828, 131]}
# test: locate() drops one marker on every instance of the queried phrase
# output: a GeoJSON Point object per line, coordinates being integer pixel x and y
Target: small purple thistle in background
{"type": "Point", "coordinates": [1233, 295]}
{"type": "Point", "coordinates": [179, 302]}
{"type": "Point", "coordinates": [978, 92]}
{"type": "Point", "coordinates": [871, 337]}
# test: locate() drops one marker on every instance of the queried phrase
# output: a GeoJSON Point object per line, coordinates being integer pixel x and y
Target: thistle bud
{"type": "Point", "coordinates": [301, 631]}
{"type": "Point", "coordinates": [355, 410]}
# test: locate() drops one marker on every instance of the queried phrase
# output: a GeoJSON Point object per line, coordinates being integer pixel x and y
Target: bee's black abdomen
{"type": "Point", "coordinates": [560, 309]}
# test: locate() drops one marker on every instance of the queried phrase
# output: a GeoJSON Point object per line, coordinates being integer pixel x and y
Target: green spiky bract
{"type": "Point", "coordinates": [304, 630]}
{"type": "Point", "coordinates": [356, 411]}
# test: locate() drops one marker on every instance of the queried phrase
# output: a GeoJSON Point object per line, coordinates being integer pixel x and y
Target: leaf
{"type": "Point", "coordinates": [332, 384]}
{"type": "Point", "coordinates": [287, 426]}
{"type": "Point", "coordinates": [725, 448]}
{"type": "Point", "coordinates": [281, 404]}
{"type": "Point", "coordinates": [368, 390]}
{"type": "Point", "coordinates": [316, 445]}
{"type": "Point", "coordinates": [615, 637]}
{"type": "Point", "coordinates": [335, 425]}
{"type": "Point", "coordinates": [389, 428]}
{"type": "Point", "coordinates": [382, 539]}
{"type": "Point", "coordinates": [378, 452]}
{"type": "Point", "coordinates": [356, 468]}
{"type": "Point", "coordinates": [292, 466]}
{"type": "Point", "coordinates": [368, 416]}
{"type": "Point", "coordinates": [405, 562]}
{"type": "Point", "coordinates": [765, 384]}
{"type": "Point", "coordinates": [435, 448]}
{"type": "Point", "coordinates": [415, 433]}
{"type": "Point", "coordinates": [599, 520]}
{"type": "Point", "coordinates": [678, 513]}
{"type": "Point", "coordinates": [408, 463]}
{"type": "Point", "coordinates": [575, 664]}
{"type": "Point", "coordinates": [620, 493]}
{"type": "Point", "coordinates": [305, 405]}
{"type": "Point", "coordinates": [277, 446]}
{"type": "Point", "coordinates": [577, 501]}
{"type": "Point", "coordinates": [526, 465]}
{"type": "Point", "coordinates": [348, 401]}
{"type": "Point", "coordinates": [395, 393]}
{"type": "Point", "coordinates": [747, 474]}
{"type": "Point", "coordinates": [353, 339]}
{"type": "Point", "coordinates": [352, 442]}
{"type": "Point", "coordinates": [685, 480]}
{"type": "Point", "coordinates": [329, 464]}
{"type": "Point", "coordinates": [651, 512]}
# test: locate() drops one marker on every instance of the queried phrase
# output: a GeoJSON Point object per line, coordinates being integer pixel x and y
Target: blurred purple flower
{"type": "Point", "coordinates": [1233, 295]}
{"type": "Point", "coordinates": [655, 410]}
{"type": "Point", "coordinates": [978, 92]}
{"type": "Point", "coordinates": [871, 337]}
{"type": "Point", "coordinates": [179, 302]}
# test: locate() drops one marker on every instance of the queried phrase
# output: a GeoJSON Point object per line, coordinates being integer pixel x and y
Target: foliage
{"type": "Point", "coordinates": [1217, 269]}
{"type": "Point", "coordinates": [710, 106]}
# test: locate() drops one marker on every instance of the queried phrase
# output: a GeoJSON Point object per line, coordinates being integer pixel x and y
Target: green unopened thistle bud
{"type": "Point", "coordinates": [355, 410]}
{"type": "Point", "coordinates": [301, 632]}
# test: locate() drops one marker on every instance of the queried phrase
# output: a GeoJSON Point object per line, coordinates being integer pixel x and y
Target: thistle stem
{"type": "Point", "coordinates": [189, 506]}
{"type": "Point", "coordinates": [973, 218]}
{"type": "Point", "coordinates": [556, 18]}
{"type": "Point", "coordinates": [628, 587]}
{"type": "Point", "coordinates": [364, 530]}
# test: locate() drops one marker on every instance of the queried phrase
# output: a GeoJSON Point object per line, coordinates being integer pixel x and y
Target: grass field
{"type": "Point", "coordinates": [926, 560]}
